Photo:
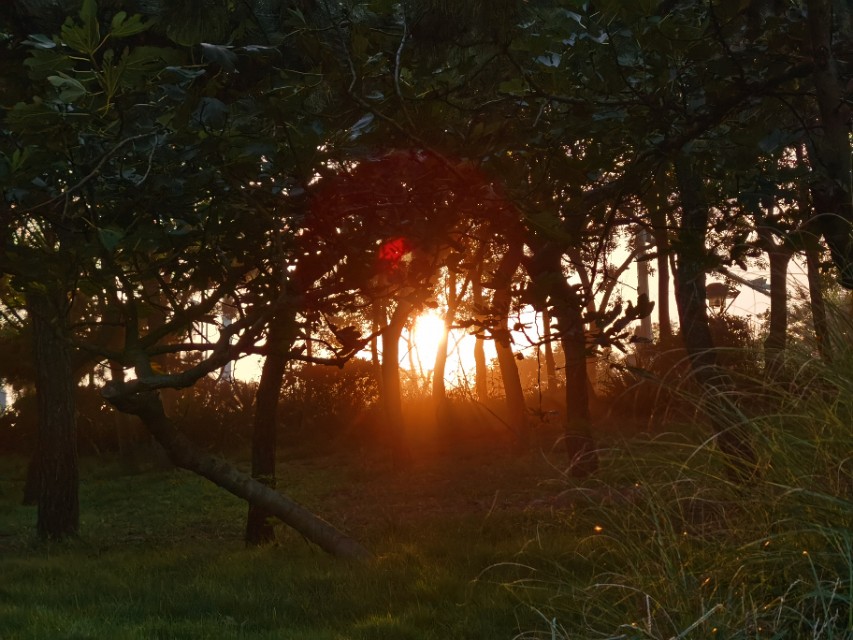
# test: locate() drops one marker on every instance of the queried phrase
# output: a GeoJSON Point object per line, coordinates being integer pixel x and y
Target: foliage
{"type": "Point", "coordinates": [650, 385]}
{"type": "Point", "coordinates": [216, 413]}
{"type": "Point", "coordinates": [319, 404]}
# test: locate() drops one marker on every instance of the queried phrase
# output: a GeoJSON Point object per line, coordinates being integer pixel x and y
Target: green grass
{"type": "Point", "coordinates": [474, 543]}
{"type": "Point", "coordinates": [681, 550]}
{"type": "Point", "coordinates": [160, 555]}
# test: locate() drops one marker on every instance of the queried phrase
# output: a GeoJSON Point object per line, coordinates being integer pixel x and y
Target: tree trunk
{"type": "Point", "coordinates": [439, 387]}
{"type": "Point", "coordinates": [567, 307]}
{"type": "Point", "coordinates": [661, 238]}
{"type": "Point", "coordinates": [777, 336]}
{"type": "Point", "coordinates": [259, 528]}
{"type": "Point", "coordinates": [690, 292]}
{"type": "Point", "coordinates": [377, 322]}
{"type": "Point", "coordinates": [439, 391]}
{"type": "Point", "coordinates": [550, 363]}
{"type": "Point", "coordinates": [513, 392]}
{"type": "Point", "coordinates": [693, 315]}
{"type": "Point", "coordinates": [579, 440]}
{"type": "Point", "coordinates": [184, 454]}
{"type": "Point", "coordinates": [392, 401]}
{"type": "Point", "coordinates": [645, 329]}
{"type": "Point", "coordinates": [439, 367]}
{"type": "Point", "coordinates": [831, 160]}
{"type": "Point", "coordinates": [818, 305]}
{"type": "Point", "coordinates": [481, 369]}
{"type": "Point", "coordinates": [58, 474]}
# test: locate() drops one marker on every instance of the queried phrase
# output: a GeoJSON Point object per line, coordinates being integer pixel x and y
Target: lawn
{"type": "Point", "coordinates": [471, 541]}
{"type": "Point", "coordinates": [160, 553]}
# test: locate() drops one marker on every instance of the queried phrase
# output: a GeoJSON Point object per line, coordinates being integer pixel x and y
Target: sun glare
{"type": "Point", "coordinates": [427, 334]}
{"type": "Point", "coordinates": [425, 339]}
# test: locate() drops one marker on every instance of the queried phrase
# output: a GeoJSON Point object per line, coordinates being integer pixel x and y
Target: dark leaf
{"type": "Point", "coordinates": [221, 55]}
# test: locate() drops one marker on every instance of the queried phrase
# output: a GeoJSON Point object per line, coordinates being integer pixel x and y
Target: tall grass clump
{"type": "Point", "coordinates": [679, 543]}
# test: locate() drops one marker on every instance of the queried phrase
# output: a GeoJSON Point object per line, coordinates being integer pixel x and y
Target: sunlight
{"type": "Point", "coordinates": [426, 336]}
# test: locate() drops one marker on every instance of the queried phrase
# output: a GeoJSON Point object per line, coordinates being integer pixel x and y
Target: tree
{"type": "Point", "coordinates": [156, 198]}
{"type": "Point", "coordinates": [830, 35]}
{"type": "Point", "coordinates": [385, 225]}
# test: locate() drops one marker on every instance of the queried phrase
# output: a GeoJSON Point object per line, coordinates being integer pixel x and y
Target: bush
{"type": "Point", "coordinates": [649, 385]}
{"type": "Point", "coordinates": [320, 403]}
{"type": "Point", "coordinates": [215, 413]}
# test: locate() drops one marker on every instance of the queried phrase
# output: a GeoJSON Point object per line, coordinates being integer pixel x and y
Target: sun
{"type": "Point", "coordinates": [426, 337]}
{"type": "Point", "coordinates": [427, 334]}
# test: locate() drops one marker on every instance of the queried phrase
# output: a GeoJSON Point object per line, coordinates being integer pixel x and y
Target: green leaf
{"type": "Point", "coordinates": [43, 63]}
{"type": "Point", "coordinates": [117, 21]}
{"type": "Point", "coordinates": [122, 26]}
{"type": "Point", "coordinates": [141, 63]}
{"type": "Point", "coordinates": [69, 88]}
{"type": "Point", "coordinates": [110, 237]}
{"type": "Point", "coordinates": [89, 17]}
{"type": "Point", "coordinates": [40, 41]}
{"type": "Point", "coordinates": [88, 11]}
{"type": "Point", "coordinates": [221, 55]}
{"type": "Point", "coordinates": [83, 39]}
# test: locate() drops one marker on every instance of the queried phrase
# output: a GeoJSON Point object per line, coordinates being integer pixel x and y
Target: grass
{"type": "Point", "coordinates": [160, 555]}
{"type": "Point", "coordinates": [681, 550]}
{"type": "Point", "coordinates": [474, 543]}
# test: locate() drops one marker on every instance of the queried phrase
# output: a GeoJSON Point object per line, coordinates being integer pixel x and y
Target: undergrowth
{"type": "Point", "coordinates": [682, 545]}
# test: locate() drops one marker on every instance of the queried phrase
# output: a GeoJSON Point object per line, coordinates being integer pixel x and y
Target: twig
{"type": "Point", "coordinates": [397, 59]}
{"type": "Point", "coordinates": [92, 174]}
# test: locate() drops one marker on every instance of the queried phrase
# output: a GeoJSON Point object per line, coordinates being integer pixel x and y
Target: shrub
{"type": "Point", "coordinates": [320, 403]}
{"type": "Point", "coordinates": [215, 413]}
{"type": "Point", "coordinates": [649, 385]}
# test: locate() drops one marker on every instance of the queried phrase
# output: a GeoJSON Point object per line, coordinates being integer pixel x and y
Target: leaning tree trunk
{"type": "Point", "coordinates": [691, 297]}
{"type": "Point", "coordinates": [57, 465]}
{"type": "Point", "coordinates": [148, 406]}
{"type": "Point", "coordinates": [513, 391]}
{"type": "Point", "coordinates": [259, 527]}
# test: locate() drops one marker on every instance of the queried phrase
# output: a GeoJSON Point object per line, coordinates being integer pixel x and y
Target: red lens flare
{"type": "Point", "coordinates": [391, 252]}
